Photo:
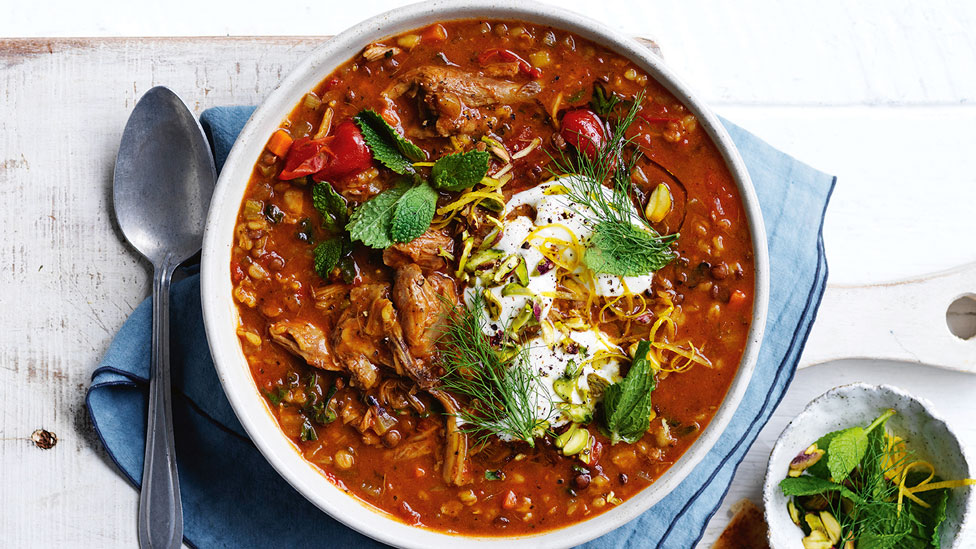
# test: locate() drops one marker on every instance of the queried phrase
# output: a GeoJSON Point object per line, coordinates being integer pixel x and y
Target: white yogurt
{"type": "Point", "coordinates": [556, 217]}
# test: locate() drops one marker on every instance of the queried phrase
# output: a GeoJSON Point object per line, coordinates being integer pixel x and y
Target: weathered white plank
{"type": "Point", "coordinates": [68, 281]}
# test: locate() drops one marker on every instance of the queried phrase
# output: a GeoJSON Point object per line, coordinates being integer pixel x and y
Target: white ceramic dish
{"type": "Point", "coordinates": [859, 404]}
{"type": "Point", "coordinates": [221, 317]}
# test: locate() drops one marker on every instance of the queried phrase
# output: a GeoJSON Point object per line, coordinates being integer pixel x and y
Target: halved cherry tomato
{"type": "Point", "coordinates": [509, 55]}
{"type": "Point", "coordinates": [339, 155]}
{"type": "Point", "coordinates": [583, 129]}
{"type": "Point", "coordinates": [350, 154]}
{"type": "Point", "coordinates": [305, 157]}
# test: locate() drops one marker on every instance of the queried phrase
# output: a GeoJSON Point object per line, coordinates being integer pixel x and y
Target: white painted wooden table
{"type": "Point", "coordinates": [879, 93]}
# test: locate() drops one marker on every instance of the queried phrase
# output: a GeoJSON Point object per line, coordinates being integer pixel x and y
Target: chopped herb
{"type": "Point", "coordinates": [494, 474]}
{"type": "Point", "coordinates": [348, 269]}
{"type": "Point", "coordinates": [323, 414]}
{"type": "Point", "coordinates": [389, 147]}
{"type": "Point", "coordinates": [306, 232]}
{"type": "Point", "coordinates": [603, 102]}
{"type": "Point", "coordinates": [308, 431]}
{"type": "Point", "coordinates": [624, 249]}
{"type": "Point", "coordinates": [313, 383]}
{"type": "Point", "coordinates": [627, 404]}
{"type": "Point", "coordinates": [273, 213]}
{"type": "Point", "coordinates": [459, 171]}
{"type": "Point", "coordinates": [327, 255]}
{"type": "Point", "coordinates": [275, 397]}
{"type": "Point", "coordinates": [330, 205]}
{"type": "Point", "coordinates": [576, 96]}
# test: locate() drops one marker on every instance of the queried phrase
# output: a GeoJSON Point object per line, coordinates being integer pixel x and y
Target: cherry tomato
{"type": "Point", "coordinates": [350, 154]}
{"type": "Point", "coordinates": [305, 157]}
{"type": "Point", "coordinates": [583, 129]}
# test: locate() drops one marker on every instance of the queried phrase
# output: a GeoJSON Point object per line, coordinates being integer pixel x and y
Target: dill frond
{"type": "Point", "coordinates": [619, 246]}
{"type": "Point", "coordinates": [500, 391]}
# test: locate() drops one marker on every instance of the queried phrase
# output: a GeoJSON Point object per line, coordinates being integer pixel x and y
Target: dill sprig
{"type": "Point", "coordinates": [622, 244]}
{"type": "Point", "coordinates": [499, 390]}
{"type": "Point", "coordinates": [876, 514]}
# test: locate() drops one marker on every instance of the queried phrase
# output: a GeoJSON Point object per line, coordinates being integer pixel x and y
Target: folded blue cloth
{"type": "Point", "coordinates": [233, 498]}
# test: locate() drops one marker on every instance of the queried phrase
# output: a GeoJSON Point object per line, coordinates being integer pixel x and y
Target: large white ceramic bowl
{"type": "Point", "coordinates": [221, 317]}
{"type": "Point", "coordinates": [859, 404]}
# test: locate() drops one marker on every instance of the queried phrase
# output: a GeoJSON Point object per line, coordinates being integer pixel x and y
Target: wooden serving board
{"type": "Point", "coordinates": [918, 321]}
{"type": "Point", "coordinates": [69, 281]}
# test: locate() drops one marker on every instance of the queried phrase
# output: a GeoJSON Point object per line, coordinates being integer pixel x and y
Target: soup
{"type": "Point", "coordinates": [492, 278]}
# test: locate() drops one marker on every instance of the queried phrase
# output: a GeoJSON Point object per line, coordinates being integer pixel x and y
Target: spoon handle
{"type": "Point", "coordinates": [160, 509]}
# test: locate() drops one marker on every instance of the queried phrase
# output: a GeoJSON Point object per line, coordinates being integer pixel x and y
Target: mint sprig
{"type": "Point", "coordinates": [808, 486]}
{"type": "Point", "coordinates": [623, 249]}
{"type": "Point", "coordinates": [845, 452]}
{"type": "Point", "coordinates": [627, 404]}
{"type": "Point", "coordinates": [389, 147]}
{"type": "Point", "coordinates": [459, 171]}
{"type": "Point", "coordinates": [413, 214]}
{"type": "Point", "coordinates": [411, 205]}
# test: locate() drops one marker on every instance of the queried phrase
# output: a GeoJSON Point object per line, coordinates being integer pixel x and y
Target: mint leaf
{"type": "Point", "coordinates": [808, 486]}
{"type": "Point", "coordinates": [627, 404]}
{"type": "Point", "coordinates": [937, 515]}
{"type": "Point", "coordinates": [389, 147]}
{"type": "Point", "coordinates": [330, 205]}
{"type": "Point", "coordinates": [327, 255]}
{"type": "Point", "coordinates": [413, 214]}
{"type": "Point", "coordinates": [845, 452]}
{"type": "Point", "coordinates": [624, 249]}
{"type": "Point", "coordinates": [819, 469]}
{"type": "Point", "coordinates": [456, 172]}
{"type": "Point", "coordinates": [370, 223]}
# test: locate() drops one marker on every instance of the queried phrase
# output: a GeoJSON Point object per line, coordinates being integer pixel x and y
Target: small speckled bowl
{"type": "Point", "coordinates": [858, 404]}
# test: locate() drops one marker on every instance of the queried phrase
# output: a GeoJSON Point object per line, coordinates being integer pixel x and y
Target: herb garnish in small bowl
{"type": "Point", "coordinates": [881, 483]}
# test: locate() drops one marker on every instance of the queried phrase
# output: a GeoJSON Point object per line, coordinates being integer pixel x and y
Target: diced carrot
{"type": "Point", "coordinates": [737, 299]}
{"type": "Point", "coordinates": [279, 143]}
{"type": "Point", "coordinates": [434, 33]}
{"type": "Point", "coordinates": [509, 501]}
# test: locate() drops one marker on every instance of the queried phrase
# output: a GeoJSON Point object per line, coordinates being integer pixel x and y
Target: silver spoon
{"type": "Point", "coordinates": [164, 176]}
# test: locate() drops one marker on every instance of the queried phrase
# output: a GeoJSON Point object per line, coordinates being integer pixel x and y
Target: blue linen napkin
{"type": "Point", "coordinates": [232, 497]}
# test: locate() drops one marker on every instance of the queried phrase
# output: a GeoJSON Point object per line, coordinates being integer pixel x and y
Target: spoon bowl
{"type": "Point", "coordinates": [164, 176]}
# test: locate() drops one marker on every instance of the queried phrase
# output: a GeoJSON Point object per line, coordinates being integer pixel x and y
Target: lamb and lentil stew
{"type": "Point", "coordinates": [492, 279]}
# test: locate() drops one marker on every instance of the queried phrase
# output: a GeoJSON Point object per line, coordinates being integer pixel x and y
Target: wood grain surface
{"type": "Point", "coordinates": [69, 281]}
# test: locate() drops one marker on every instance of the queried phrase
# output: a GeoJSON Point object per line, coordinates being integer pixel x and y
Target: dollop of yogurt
{"type": "Point", "coordinates": [556, 217]}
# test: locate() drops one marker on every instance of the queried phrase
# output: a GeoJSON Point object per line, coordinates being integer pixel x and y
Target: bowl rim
{"type": "Point", "coordinates": [220, 313]}
{"type": "Point", "coordinates": [771, 478]}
